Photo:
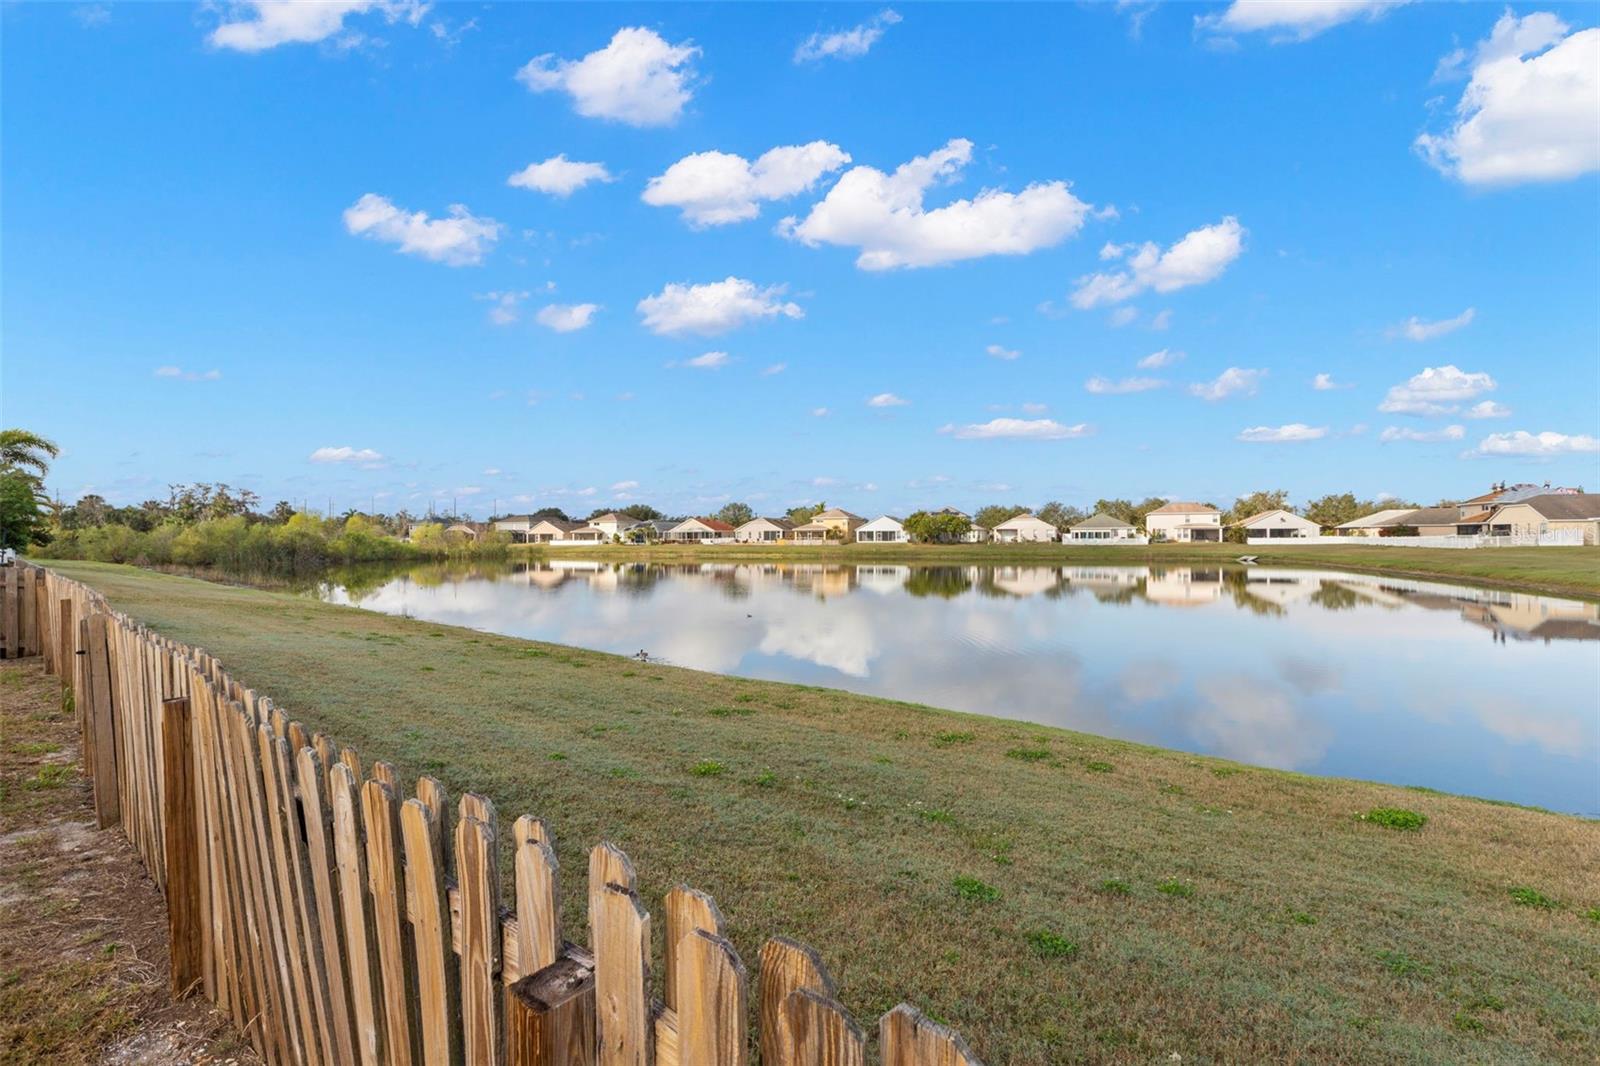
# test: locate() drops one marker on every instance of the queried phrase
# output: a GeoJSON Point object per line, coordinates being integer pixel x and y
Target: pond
{"type": "Point", "coordinates": [1488, 693]}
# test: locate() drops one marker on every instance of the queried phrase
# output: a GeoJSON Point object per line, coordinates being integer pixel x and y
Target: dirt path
{"type": "Point", "coordinates": [83, 938]}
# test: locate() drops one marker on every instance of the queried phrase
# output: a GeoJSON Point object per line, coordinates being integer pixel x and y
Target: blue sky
{"type": "Point", "coordinates": [232, 251]}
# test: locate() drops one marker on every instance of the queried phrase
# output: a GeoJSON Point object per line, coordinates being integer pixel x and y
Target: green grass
{"type": "Point", "coordinates": [1530, 897]}
{"type": "Point", "coordinates": [1395, 818]}
{"type": "Point", "coordinates": [1569, 571]}
{"type": "Point", "coordinates": [1048, 945]}
{"type": "Point", "coordinates": [873, 887]}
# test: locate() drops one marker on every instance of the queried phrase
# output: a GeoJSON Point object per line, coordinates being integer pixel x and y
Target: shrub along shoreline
{"type": "Point", "coordinates": [1055, 896]}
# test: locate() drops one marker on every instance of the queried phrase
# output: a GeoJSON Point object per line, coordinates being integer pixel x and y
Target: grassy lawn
{"type": "Point", "coordinates": [1564, 571]}
{"type": "Point", "coordinates": [1057, 897]}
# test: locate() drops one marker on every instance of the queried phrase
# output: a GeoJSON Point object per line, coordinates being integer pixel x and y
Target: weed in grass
{"type": "Point", "coordinates": [429, 669]}
{"type": "Point", "coordinates": [1529, 897]}
{"type": "Point", "coordinates": [1028, 754]}
{"type": "Point", "coordinates": [1172, 790]}
{"type": "Point", "coordinates": [1487, 1001]}
{"type": "Point", "coordinates": [53, 776]}
{"type": "Point", "coordinates": [1593, 914]}
{"type": "Point", "coordinates": [1049, 945]}
{"type": "Point", "coordinates": [1394, 818]}
{"type": "Point", "coordinates": [744, 697]}
{"type": "Point", "coordinates": [765, 779]}
{"type": "Point", "coordinates": [1175, 888]}
{"type": "Point", "coordinates": [707, 768]}
{"type": "Point", "coordinates": [1466, 1023]}
{"type": "Point", "coordinates": [622, 771]}
{"type": "Point", "coordinates": [34, 747]}
{"type": "Point", "coordinates": [945, 740]}
{"type": "Point", "coordinates": [729, 712]}
{"type": "Point", "coordinates": [1225, 771]}
{"type": "Point", "coordinates": [1112, 887]}
{"type": "Point", "coordinates": [883, 760]}
{"type": "Point", "coordinates": [558, 756]}
{"type": "Point", "coordinates": [1302, 918]}
{"type": "Point", "coordinates": [970, 888]}
{"type": "Point", "coordinates": [629, 673]}
{"type": "Point", "coordinates": [1096, 766]}
{"type": "Point", "coordinates": [936, 814]}
{"type": "Point", "coordinates": [1401, 964]}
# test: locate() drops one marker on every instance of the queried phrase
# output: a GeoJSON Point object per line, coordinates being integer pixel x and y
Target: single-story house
{"type": "Point", "coordinates": [1025, 527]}
{"type": "Point", "coordinates": [833, 524]}
{"type": "Point", "coordinates": [613, 524]}
{"type": "Point", "coordinates": [1184, 522]}
{"type": "Point", "coordinates": [763, 530]}
{"type": "Point", "coordinates": [701, 530]}
{"type": "Point", "coordinates": [515, 524]}
{"type": "Point", "coordinates": [1376, 524]}
{"type": "Point", "coordinates": [650, 529]}
{"type": "Point", "coordinates": [885, 529]}
{"type": "Point", "coordinates": [466, 530]}
{"type": "Point", "coordinates": [547, 530]}
{"type": "Point", "coordinates": [1551, 514]}
{"type": "Point", "coordinates": [1446, 521]}
{"type": "Point", "coordinates": [1279, 524]}
{"type": "Point", "coordinates": [590, 534]}
{"type": "Point", "coordinates": [1103, 528]}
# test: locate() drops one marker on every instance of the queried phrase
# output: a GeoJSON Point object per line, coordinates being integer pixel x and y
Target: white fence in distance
{"type": "Point", "coordinates": [1560, 538]}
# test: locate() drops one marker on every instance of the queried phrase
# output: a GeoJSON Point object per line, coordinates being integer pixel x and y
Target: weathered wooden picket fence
{"type": "Point", "coordinates": [339, 920]}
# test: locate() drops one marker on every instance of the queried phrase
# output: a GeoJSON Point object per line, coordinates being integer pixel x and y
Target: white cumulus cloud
{"type": "Point", "coordinates": [559, 176]}
{"type": "Point", "coordinates": [257, 25]}
{"type": "Point", "coordinates": [177, 373]}
{"type": "Point", "coordinates": [1415, 329]}
{"type": "Point", "coordinates": [566, 318]}
{"type": "Point", "coordinates": [1106, 387]}
{"type": "Point", "coordinates": [462, 239]}
{"type": "Point", "coordinates": [716, 188]}
{"type": "Point", "coordinates": [1018, 429]}
{"type": "Point", "coordinates": [1537, 445]}
{"type": "Point", "coordinates": [1437, 390]}
{"type": "Point", "coordinates": [884, 215]}
{"type": "Point", "coordinates": [997, 351]}
{"type": "Point", "coordinates": [1290, 20]}
{"type": "Point", "coordinates": [1531, 111]}
{"type": "Point", "coordinates": [346, 454]}
{"type": "Point", "coordinates": [715, 307]}
{"type": "Point", "coordinates": [1234, 381]}
{"type": "Point", "coordinates": [886, 399]}
{"type": "Point", "coordinates": [1488, 409]}
{"type": "Point", "coordinates": [1200, 256]}
{"type": "Point", "coordinates": [1424, 436]}
{"type": "Point", "coordinates": [1292, 433]}
{"type": "Point", "coordinates": [846, 44]}
{"type": "Point", "coordinates": [1164, 358]}
{"type": "Point", "coordinates": [708, 361]}
{"type": "Point", "coordinates": [638, 79]}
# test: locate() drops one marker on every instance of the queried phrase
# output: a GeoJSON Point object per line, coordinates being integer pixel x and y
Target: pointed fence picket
{"type": "Point", "coordinates": [337, 919]}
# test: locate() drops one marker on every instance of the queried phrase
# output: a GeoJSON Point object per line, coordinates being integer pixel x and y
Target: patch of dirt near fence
{"type": "Point", "coordinates": [83, 933]}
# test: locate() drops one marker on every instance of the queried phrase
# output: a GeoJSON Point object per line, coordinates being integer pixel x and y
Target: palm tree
{"type": "Point", "coordinates": [26, 455]}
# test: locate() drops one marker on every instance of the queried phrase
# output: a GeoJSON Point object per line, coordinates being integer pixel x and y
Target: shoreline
{"type": "Point", "coordinates": [930, 852]}
{"type": "Point", "coordinates": [1572, 572]}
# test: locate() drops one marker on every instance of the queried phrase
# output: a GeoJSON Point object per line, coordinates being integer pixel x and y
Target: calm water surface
{"type": "Point", "coordinates": [1468, 690]}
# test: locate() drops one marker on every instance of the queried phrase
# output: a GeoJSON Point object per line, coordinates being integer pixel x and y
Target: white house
{"type": "Point", "coordinates": [1104, 529]}
{"type": "Point", "coordinates": [517, 525]}
{"type": "Point", "coordinates": [1025, 527]}
{"type": "Point", "coordinates": [763, 530]}
{"type": "Point", "coordinates": [1278, 524]}
{"type": "Point", "coordinates": [1184, 522]}
{"type": "Point", "coordinates": [885, 529]}
{"type": "Point", "coordinates": [612, 524]}
{"type": "Point", "coordinates": [701, 530]}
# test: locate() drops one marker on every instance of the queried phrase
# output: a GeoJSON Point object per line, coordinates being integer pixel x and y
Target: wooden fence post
{"type": "Point", "coordinates": [787, 966]}
{"type": "Point", "coordinates": [478, 879]}
{"type": "Point", "coordinates": [10, 608]}
{"type": "Point", "coordinates": [550, 1015]}
{"type": "Point", "coordinates": [64, 642]}
{"type": "Point", "coordinates": [101, 726]}
{"type": "Point", "coordinates": [181, 828]}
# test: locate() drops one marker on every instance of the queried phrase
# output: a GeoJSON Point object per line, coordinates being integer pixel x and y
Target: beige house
{"type": "Point", "coordinates": [833, 524]}
{"type": "Point", "coordinates": [1025, 528]}
{"type": "Point", "coordinates": [549, 530]}
{"type": "Point", "coordinates": [763, 531]}
{"type": "Point", "coordinates": [1551, 514]}
{"type": "Point", "coordinates": [1278, 524]}
{"type": "Point", "coordinates": [1445, 521]}
{"type": "Point", "coordinates": [1185, 522]}
{"type": "Point", "coordinates": [612, 524]}
{"type": "Point", "coordinates": [465, 530]}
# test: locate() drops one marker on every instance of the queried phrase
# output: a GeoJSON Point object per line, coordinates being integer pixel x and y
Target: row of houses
{"type": "Point", "coordinates": [1519, 510]}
